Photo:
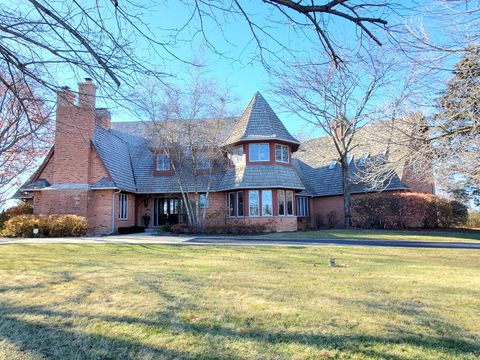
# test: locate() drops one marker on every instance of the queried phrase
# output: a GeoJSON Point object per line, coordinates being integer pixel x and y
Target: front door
{"type": "Point", "coordinates": [165, 211]}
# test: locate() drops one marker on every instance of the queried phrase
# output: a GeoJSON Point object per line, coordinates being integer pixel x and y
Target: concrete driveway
{"type": "Point", "coordinates": [147, 238]}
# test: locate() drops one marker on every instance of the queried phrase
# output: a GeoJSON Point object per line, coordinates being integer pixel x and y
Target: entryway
{"type": "Point", "coordinates": [166, 211]}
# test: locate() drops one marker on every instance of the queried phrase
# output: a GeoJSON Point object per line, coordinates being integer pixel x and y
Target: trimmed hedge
{"type": "Point", "coordinates": [406, 210]}
{"type": "Point", "coordinates": [47, 225]}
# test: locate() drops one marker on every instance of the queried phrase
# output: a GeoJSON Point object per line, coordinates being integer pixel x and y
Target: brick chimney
{"type": "Point", "coordinates": [103, 118]}
{"type": "Point", "coordinates": [75, 126]}
{"type": "Point", "coordinates": [87, 91]}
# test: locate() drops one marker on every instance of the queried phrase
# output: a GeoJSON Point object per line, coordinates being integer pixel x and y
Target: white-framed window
{"type": "Point", "coordinates": [240, 203]}
{"type": "Point", "coordinates": [203, 201]}
{"type": "Point", "coordinates": [259, 152]}
{"type": "Point", "coordinates": [203, 161]}
{"type": "Point", "coordinates": [253, 203]}
{"type": "Point", "coordinates": [267, 203]}
{"type": "Point", "coordinates": [231, 206]}
{"type": "Point", "coordinates": [163, 162]}
{"type": "Point", "coordinates": [281, 203]}
{"type": "Point", "coordinates": [123, 207]}
{"type": "Point", "coordinates": [236, 155]}
{"type": "Point", "coordinates": [235, 203]}
{"type": "Point", "coordinates": [282, 153]}
{"type": "Point", "coordinates": [302, 206]}
{"type": "Point", "coordinates": [289, 195]}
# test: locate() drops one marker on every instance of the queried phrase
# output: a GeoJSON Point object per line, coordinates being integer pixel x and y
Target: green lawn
{"type": "Point", "coordinates": [381, 235]}
{"type": "Point", "coordinates": [153, 302]}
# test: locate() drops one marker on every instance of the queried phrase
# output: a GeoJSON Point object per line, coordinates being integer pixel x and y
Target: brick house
{"type": "Point", "coordinates": [108, 173]}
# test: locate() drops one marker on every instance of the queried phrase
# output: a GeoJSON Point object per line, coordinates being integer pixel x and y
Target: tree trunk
{"type": "Point", "coordinates": [204, 213]}
{"type": "Point", "coordinates": [347, 196]}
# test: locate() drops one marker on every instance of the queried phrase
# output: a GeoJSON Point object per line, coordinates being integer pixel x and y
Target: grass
{"type": "Point", "coordinates": [407, 235]}
{"type": "Point", "coordinates": [154, 302]}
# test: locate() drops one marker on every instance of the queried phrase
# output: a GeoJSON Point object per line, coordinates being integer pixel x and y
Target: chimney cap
{"type": "Point", "coordinates": [65, 88]}
{"type": "Point", "coordinates": [88, 79]}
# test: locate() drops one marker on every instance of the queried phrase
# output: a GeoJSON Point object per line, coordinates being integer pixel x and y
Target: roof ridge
{"type": "Point", "coordinates": [259, 122]}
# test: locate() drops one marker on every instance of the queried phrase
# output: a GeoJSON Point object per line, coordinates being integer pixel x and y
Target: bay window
{"type": "Point", "coordinates": [267, 203]}
{"type": "Point", "coordinates": [240, 203]}
{"type": "Point", "coordinates": [253, 203]}
{"type": "Point", "coordinates": [259, 152]}
{"type": "Point", "coordinates": [236, 155]}
{"type": "Point", "coordinates": [231, 204]}
{"type": "Point", "coordinates": [289, 202]}
{"type": "Point", "coordinates": [235, 203]}
{"type": "Point", "coordinates": [281, 153]}
{"type": "Point", "coordinates": [281, 202]}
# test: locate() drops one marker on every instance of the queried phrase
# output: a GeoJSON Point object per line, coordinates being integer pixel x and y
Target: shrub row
{"type": "Point", "coordinates": [47, 225]}
{"type": "Point", "coordinates": [474, 220]}
{"type": "Point", "coordinates": [220, 229]}
{"type": "Point", "coordinates": [406, 210]}
{"type": "Point", "coordinates": [21, 209]}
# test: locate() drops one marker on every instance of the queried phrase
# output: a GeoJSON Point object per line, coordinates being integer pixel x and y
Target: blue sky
{"type": "Point", "coordinates": [238, 67]}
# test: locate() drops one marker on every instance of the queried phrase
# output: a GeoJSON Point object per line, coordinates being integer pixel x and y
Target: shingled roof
{"type": "Point", "coordinates": [126, 151]}
{"type": "Point", "coordinates": [261, 176]}
{"type": "Point", "coordinates": [259, 122]}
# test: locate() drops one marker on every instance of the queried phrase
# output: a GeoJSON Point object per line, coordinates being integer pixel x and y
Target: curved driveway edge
{"type": "Point", "coordinates": [143, 239]}
{"type": "Point", "coordinates": [337, 242]}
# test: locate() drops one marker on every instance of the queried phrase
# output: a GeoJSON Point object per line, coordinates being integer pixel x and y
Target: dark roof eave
{"type": "Point", "coordinates": [242, 140]}
{"type": "Point", "coordinates": [364, 192]}
{"type": "Point", "coordinates": [258, 187]}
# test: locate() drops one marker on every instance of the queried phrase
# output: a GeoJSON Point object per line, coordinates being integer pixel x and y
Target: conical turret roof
{"type": "Point", "coordinates": [259, 122]}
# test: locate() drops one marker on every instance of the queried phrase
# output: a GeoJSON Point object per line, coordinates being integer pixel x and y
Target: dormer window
{"type": "Point", "coordinates": [259, 152]}
{"type": "Point", "coordinates": [203, 161]}
{"type": "Point", "coordinates": [163, 162]}
{"type": "Point", "coordinates": [236, 156]}
{"type": "Point", "coordinates": [282, 153]}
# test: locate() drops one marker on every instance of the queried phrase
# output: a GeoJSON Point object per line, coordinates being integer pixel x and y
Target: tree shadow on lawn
{"type": "Point", "coordinates": [60, 340]}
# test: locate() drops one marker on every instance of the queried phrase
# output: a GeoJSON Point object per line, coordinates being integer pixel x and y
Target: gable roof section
{"type": "Point", "coordinates": [322, 180]}
{"type": "Point", "coordinates": [115, 154]}
{"type": "Point", "coordinates": [259, 122]}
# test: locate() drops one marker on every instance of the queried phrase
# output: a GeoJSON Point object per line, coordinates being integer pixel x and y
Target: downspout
{"type": "Point", "coordinates": [113, 211]}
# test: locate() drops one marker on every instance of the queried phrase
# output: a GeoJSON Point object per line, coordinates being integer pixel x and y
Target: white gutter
{"type": "Point", "coordinates": [113, 211]}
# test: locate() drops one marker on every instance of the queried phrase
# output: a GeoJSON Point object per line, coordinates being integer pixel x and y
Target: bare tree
{"type": "Point", "coordinates": [188, 127]}
{"type": "Point", "coordinates": [25, 134]}
{"type": "Point", "coordinates": [447, 68]}
{"type": "Point", "coordinates": [309, 21]}
{"type": "Point", "coordinates": [339, 102]}
{"type": "Point", "coordinates": [45, 43]}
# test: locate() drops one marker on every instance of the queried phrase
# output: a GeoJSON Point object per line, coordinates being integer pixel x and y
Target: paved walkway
{"type": "Point", "coordinates": [146, 238]}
